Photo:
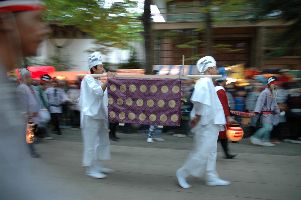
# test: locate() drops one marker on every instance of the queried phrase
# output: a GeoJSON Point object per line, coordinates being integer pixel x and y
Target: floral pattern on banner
{"type": "Point", "coordinates": [145, 101]}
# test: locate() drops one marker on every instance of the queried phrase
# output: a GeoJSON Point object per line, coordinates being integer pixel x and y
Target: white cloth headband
{"type": "Point", "coordinates": [204, 63]}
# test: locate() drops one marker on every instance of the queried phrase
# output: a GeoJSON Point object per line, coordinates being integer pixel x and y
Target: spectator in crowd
{"type": "Point", "coordinates": [239, 100]}
{"type": "Point", "coordinates": [229, 92]}
{"type": "Point", "coordinates": [73, 95]}
{"type": "Point", "coordinates": [294, 113]}
{"type": "Point", "coordinates": [56, 97]}
{"type": "Point", "coordinates": [30, 104]}
{"type": "Point", "coordinates": [112, 133]}
{"type": "Point", "coordinates": [251, 102]}
{"type": "Point", "coordinates": [65, 118]}
{"type": "Point", "coordinates": [268, 109]}
{"type": "Point", "coordinates": [44, 111]}
{"type": "Point", "coordinates": [154, 133]}
{"type": "Point", "coordinates": [280, 129]}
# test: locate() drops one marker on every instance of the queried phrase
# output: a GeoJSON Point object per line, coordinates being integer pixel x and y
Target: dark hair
{"type": "Point", "coordinates": [91, 70]}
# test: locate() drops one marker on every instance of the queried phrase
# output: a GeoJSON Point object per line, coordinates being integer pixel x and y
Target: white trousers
{"type": "Point", "coordinates": [96, 140]}
{"type": "Point", "coordinates": [202, 159]}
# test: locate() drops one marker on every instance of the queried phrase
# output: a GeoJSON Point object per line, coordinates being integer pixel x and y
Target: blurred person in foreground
{"type": "Point", "coordinates": [207, 120]}
{"type": "Point", "coordinates": [94, 119]}
{"type": "Point", "coordinates": [21, 32]}
{"type": "Point", "coordinates": [221, 93]}
{"type": "Point", "coordinates": [30, 104]}
{"type": "Point", "coordinates": [268, 110]}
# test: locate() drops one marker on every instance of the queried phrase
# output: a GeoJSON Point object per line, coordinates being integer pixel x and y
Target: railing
{"type": "Point", "coordinates": [216, 16]}
{"type": "Point", "coordinates": [187, 17]}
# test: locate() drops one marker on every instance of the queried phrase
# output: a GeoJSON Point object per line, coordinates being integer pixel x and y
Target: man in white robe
{"type": "Point", "coordinates": [207, 120]}
{"type": "Point", "coordinates": [94, 119]}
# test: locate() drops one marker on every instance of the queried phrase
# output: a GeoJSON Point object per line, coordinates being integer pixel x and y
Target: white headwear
{"type": "Point", "coordinates": [271, 79]}
{"type": "Point", "coordinates": [94, 59]}
{"type": "Point", "coordinates": [204, 63]}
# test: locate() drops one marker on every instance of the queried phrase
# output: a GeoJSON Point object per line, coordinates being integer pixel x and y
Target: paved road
{"type": "Point", "coordinates": [147, 171]}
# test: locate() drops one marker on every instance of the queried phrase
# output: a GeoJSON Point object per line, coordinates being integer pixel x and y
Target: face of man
{"type": "Point", "coordinates": [55, 84]}
{"type": "Point", "coordinates": [28, 80]}
{"type": "Point", "coordinates": [272, 86]}
{"type": "Point", "coordinates": [223, 83]}
{"type": "Point", "coordinates": [44, 84]}
{"type": "Point", "coordinates": [212, 71]}
{"type": "Point", "coordinates": [99, 69]}
{"type": "Point", "coordinates": [32, 31]}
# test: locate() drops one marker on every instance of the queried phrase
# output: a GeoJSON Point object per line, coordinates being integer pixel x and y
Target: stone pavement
{"type": "Point", "coordinates": [147, 171]}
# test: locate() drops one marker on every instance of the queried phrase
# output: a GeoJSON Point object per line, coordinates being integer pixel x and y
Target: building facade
{"type": "Point", "coordinates": [237, 39]}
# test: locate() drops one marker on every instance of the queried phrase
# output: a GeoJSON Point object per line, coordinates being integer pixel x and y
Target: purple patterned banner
{"type": "Point", "coordinates": [145, 101]}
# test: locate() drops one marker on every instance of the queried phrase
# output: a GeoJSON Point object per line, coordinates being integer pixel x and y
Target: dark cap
{"type": "Point", "coordinates": [45, 77]}
{"type": "Point", "coordinates": [271, 79]}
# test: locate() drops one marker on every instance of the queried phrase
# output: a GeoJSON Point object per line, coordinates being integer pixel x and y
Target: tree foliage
{"type": "Point", "coordinates": [111, 26]}
{"type": "Point", "coordinates": [132, 63]}
{"type": "Point", "coordinates": [287, 10]}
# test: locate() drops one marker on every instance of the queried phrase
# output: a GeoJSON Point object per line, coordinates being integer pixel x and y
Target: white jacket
{"type": "Point", "coordinates": [93, 100]}
{"type": "Point", "coordinates": [206, 103]}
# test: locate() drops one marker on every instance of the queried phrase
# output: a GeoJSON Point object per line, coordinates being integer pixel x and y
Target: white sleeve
{"type": "Point", "coordinates": [94, 86]}
{"type": "Point", "coordinates": [198, 107]}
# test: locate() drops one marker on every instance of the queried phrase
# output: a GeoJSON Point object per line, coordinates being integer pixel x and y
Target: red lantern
{"type": "Point", "coordinates": [235, 134]}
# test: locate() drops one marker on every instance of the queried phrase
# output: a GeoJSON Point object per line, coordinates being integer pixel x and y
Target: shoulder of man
{"type": "Point", "coordinates": [88, 76]}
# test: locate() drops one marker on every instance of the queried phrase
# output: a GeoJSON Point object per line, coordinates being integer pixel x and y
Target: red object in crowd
{"type": "Point", "coordinates": [221, 93]}
{"type": "Point", "coordinates": [37, 71]}
{"type": "Point", "coordinates": [249, 73]}
{"type": "Point", "coordinates": [284, 78]}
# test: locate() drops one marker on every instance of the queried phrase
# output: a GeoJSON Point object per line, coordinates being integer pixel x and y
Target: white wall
{"type": "Point", "coordinates": [76, 51]}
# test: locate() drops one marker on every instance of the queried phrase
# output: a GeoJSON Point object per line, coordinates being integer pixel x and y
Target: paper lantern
{"type": "Point", "coordinates": [235, 134]}
{"type": "Point", "coordinates": [30, 133]}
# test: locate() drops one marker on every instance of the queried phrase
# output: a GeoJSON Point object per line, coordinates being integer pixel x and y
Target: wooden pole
{"type": "Point", "coordinates": [155, 76]}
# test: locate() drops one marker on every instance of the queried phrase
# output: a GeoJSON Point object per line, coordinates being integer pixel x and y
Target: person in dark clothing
{"type": "Point", "coordinates": [294, 113]}
{"type": "Point", "coordinates": [112, 133]}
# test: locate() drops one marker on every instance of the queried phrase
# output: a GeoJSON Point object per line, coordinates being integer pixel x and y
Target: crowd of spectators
{"type": "Point", "coordinates": [61, 99]}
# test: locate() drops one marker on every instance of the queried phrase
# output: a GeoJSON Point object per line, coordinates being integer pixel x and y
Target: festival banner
{"type": "Point", "coordinates": [145, 101]}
